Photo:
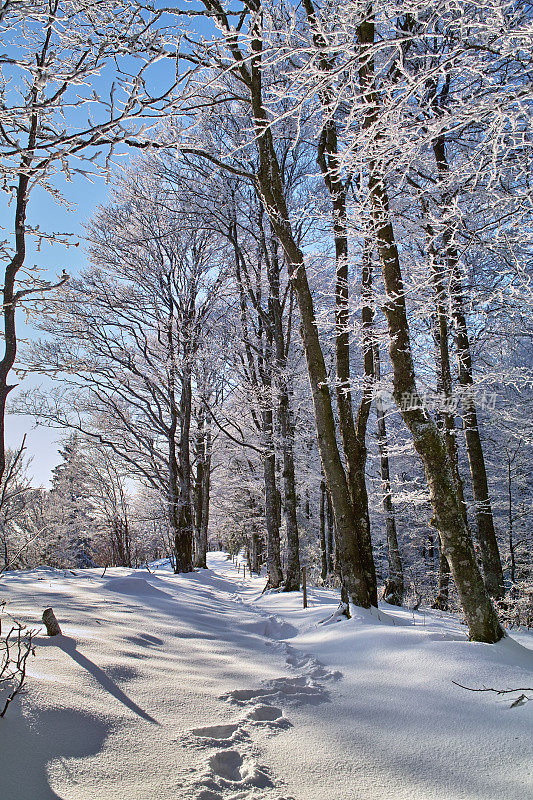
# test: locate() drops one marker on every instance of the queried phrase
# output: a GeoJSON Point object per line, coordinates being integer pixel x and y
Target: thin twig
{"type": "Point", "coordinates": [488, 689]}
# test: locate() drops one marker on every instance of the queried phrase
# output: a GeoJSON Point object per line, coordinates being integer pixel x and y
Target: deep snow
{"type": "Point", "coordinates": [197, 686]}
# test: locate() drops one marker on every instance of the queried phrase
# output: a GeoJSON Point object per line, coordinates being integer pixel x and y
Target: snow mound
{"type": "Point", "coordinates": [135, 586]}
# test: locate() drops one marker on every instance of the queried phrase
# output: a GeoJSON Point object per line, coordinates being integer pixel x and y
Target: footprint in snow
{"type": "Point", "coordinates": [216, 736]}
{"type": "Point", "coordinates": [298, 691]}
{"type": "Point", "coordinates": [232, 773]}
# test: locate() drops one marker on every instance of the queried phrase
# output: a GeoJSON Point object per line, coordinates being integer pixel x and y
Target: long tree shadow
{"type": "Point", "coordinates": [69, 646]}
{"type": "Point", "coordinates": [34, 741]}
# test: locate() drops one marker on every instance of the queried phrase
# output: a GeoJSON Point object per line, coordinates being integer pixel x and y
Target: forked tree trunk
{"type": "Point", "coordinates": [457, 545]}
{"type": "Point", "coordinates": [349, 558]}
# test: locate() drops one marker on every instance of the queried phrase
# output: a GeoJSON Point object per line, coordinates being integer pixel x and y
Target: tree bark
{"type": "Point", "coordinates": [443, 592]}
{"type": "Point", "coordinates": [322, 532]}
{"type": "Point", "coordinates": [9, 294]}
{"type": "Point", "coordinates": [352, 435]}
{"type": "Point", "coordinates": [488, 543]}
{"type": "Point", "coordinates": [206, 497]}
{"type": "Point", "coordinates": [271, 189]}
{"type": "Point", "coordinates": [180, 488]}
{"type": "Point", "coordinates": [394, 589]}
{"type": "Point", "coordinates": [457, 545]}
{"type": "Point", "coordinates": [330, 535]}
{"type": "Point", "coordinates": [292, 576]}
{"type": "Point", "coordinates": [275, 575]}
{"type": "Point", "coordinates": [201, 502]}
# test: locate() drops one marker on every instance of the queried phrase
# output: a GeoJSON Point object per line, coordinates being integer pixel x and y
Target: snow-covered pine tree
{"type": "Point", "coordinates": [70, 508]}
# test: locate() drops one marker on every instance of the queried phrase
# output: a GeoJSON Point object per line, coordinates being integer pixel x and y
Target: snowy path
{"type": "Point", "coordinates": [167, 687]}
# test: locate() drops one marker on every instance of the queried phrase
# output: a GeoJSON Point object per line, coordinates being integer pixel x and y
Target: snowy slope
{"type": "Point", "coordinates": [197, 686]}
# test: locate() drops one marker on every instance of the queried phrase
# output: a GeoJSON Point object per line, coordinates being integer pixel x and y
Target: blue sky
{"type": "Point", "coordinates": [84, 197]}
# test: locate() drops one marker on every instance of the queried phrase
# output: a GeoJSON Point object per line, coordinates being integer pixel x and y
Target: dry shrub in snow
{"type": "Point", "coordinates": [16, 645]}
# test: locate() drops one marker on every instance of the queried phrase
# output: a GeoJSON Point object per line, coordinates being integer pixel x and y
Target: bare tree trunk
{"type": "Point", "coordinates": [10, 296]}
{"type": "Point", "coordinates": [394, 588]}
{"type": "Point", "coordinates": [206, 498]}
{"type": "Point", "coordinates": [448, 518]}
{"type": "Point", "coordinates": [352, 435]}
{"type": "Point", "coordinates": [445, 390]}
{"type": "Point", "coordinates": [181, 507]}
{"type": "Point", "coordinates": [488, 543]}
{"type": "Point", "coordinates": [348, 552]}
{"type": "Point", "coordinates": [256, 553]}
{"type": "Point", "coordinates": [201, 489]}
{"type": "Point", "coordinates": [272, 511]}
{"type": "Point", "coordinates": [270, 185]}
{"type": "Point", "coordinates": [443, 592]}
{"type": "Point", "coordinates": [330, 535]}
{"type": "Point", "coordinates": [260, 378]}
{"type": "Point", "coordinates": [322, 532]}
{"type": "Point", "coordinates": [292, 576]}
{"type": "Point", "coordinates": [353, 439]}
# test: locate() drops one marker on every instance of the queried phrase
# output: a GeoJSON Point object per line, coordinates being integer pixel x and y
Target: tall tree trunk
{"type": "Point", "coordinates": [184, 514]}
{"type": "Point", "coordinates": [199, 491]}
{"type": "Point", "coordinates": [394, 588]}
{"type": "Point", "coordinates": [353, 439]}
{"type": "Point", "coordinates": [10, 296]}
{"type": "Point", "coordinates": [348, 552]}
{"type": "Point", "coordinates": [256, 553]}
{"type": "Point", "coordinates": [488, 543]}
{"type": "Point", "coordinates": [206, 497]}
{"type": "Point", "coordinates": [271, 189]}
{"type": "Point", "coordinates": [352, 435]}
{"type": "Point", "coordinates": [443, 591]}
{"type": "Point", "coordinates": [260, 378]}
{"type": "Point", "coordinates": [456, 542]}
{"type": "Point", "coordinates": [272, 512]}
{"type": "Point", "coordinates": [179, 477]}
{"type": "Point", "coordinates": [322, 532]}
{"type": "Point", "coordinates": [445, 415]}
{"type": "Point", "coordinates": [330, 535]}
{"type": "Point", "coordinates": [292, 577]}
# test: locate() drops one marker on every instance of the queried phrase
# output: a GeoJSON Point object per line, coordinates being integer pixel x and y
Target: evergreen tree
{"type": "Point", "coordinates": [71, 509]}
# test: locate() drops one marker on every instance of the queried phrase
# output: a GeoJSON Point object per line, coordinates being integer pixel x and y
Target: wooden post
{"type": "Point", "coordinates": [304, 586]}
{"type": "Point", "coordinates": [244, 571]}
{"type": "Point", "coordinates": [52, 625]}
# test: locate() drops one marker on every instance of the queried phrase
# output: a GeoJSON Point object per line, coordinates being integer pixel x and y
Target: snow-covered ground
{"type": "Point", "coordinates": [165, 687]}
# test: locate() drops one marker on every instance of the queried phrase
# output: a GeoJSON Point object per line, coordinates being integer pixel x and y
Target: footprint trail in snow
{"type": "Point", "coordinates": [232, 772]}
